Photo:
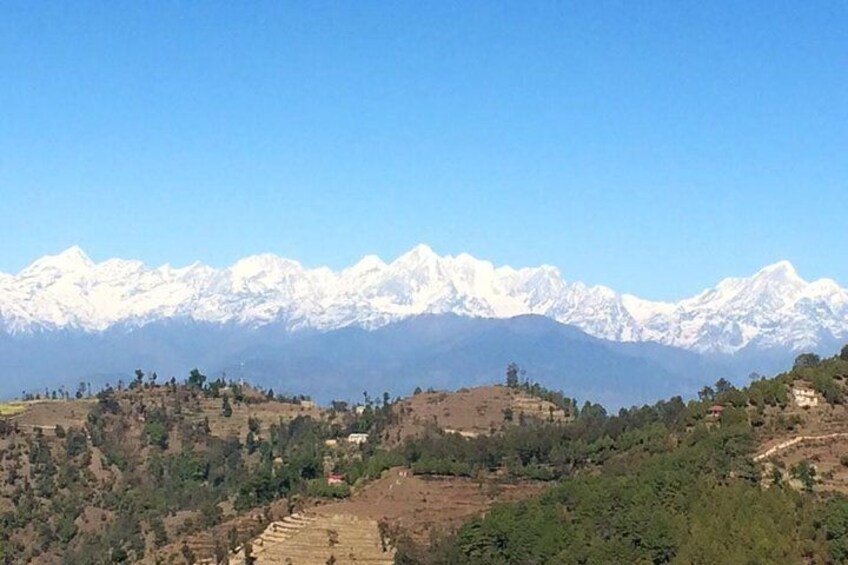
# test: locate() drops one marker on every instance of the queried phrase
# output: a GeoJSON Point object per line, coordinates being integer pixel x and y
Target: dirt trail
{"type": "Point", "coordinates": [775, 449]}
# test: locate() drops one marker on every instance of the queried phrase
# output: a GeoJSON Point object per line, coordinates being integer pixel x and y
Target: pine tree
{"type": "Point", "coordinates": [512, 375]}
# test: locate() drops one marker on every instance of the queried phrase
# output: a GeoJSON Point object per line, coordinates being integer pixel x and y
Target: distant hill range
{"type": "Point", "coordinates": [442, 351]}
{"type": "Point", "coordinates": [421, 320]}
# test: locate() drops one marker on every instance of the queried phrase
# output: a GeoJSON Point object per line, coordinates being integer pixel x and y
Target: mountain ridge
{"type": "Point", "coordinates": [431, 350]}
{"type": "Point", "coordinates": [774, 308]}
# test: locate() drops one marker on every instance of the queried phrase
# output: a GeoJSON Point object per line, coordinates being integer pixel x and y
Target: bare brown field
{"type": "Point", "coordinates": [348, 531]}
{"type": "Point", "coordinates": [47, 414]}
{"type": "Point", "coordinates": [470, 412]}
{"type": "Point", "coordinates": [417, 504]}
{"type": "Point", "coordinates": [268, 413]}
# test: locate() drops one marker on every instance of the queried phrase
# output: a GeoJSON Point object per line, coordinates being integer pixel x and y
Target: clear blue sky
{"type": "Point", "coordinates": [651, 146]}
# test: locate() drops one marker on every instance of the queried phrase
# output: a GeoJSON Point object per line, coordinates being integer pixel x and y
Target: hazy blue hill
{"type": "Point", "coordinates": [442, 351]}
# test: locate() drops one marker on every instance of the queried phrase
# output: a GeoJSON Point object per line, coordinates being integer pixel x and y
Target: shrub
{"type": "Point", "coordinates": [319, 488]}
{"type": "Point", "coordinates": [805, 472]}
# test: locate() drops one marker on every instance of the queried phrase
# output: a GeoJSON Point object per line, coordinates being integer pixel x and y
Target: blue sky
{"type": "Point", "coordinates": [651, 146]}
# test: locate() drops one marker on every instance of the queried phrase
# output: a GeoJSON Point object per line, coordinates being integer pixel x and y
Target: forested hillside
{"type": "Point", "coordinates": [208, 470]}
{"type": "Point", "coordinates": [676, 483]}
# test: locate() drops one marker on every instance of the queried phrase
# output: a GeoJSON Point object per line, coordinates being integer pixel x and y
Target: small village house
{"type": "Point", "coordinates": [804, 396]}
{"type": "Point", "coordinates": [358, 439]}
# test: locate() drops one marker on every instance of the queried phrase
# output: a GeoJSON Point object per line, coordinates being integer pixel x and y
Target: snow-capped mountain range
{"type": "Point", "coordinates": [774, 308]}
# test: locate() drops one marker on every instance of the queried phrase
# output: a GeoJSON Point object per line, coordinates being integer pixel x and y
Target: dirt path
{"type": "Point", "coordinates": [775, 449]}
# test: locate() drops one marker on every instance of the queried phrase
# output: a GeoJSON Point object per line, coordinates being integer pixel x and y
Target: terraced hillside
{"type": "Point", "coordinates": [817, 435]}
{"type": "Point", "coordinates": [349, 531]}
{"type": "Point", "coordinates": [318, 539]}
{"type": "Point", "coordinates": [415, 505]}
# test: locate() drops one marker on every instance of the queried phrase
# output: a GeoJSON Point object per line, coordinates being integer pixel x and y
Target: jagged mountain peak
{"type": "Point", "coordinates": [774, 307]}
{"type": "Point", "coordinates": [73, 253]}
{"type": "Point", "coordinates": [368, 263]}
{"type": "Point", "coordinates": [782, 268]}
{"type": "Point", "coordinates": [71, 259]}
{"type": "Point", "coordinates": [263, 264]}
{"type": "Point", "coordinates": [782, 273]}
{"type": "Point", "coordinates": [421, 254]}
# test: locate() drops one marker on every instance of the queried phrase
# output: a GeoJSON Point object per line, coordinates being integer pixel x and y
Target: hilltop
{"type": "Point", "coordinates": [470, 412]}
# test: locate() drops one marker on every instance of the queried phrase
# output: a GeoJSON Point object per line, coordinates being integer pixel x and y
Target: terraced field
{"type": "Point", "coordinates": [416, 505]}
{"type": "Point", "coordinates": [348, 531]}
{"type": "Point", "coordinates": [318, 539]}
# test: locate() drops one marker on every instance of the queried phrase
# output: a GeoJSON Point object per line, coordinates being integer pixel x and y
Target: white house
{"type": "Point", "coordinates": [357, 438]}
{"type": "Point", "coordinates": [804, 396]}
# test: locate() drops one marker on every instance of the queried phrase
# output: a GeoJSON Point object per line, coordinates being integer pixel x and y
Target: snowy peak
{"type": "Point", "coordinates": [779, 277]}
{"type": "Point", "coordinates": [773, 287]}
{"type": "Point", "coordinates": [773, 308]}
{"type": "Point", "coordinates": [71, 260]}
{"type": "Point", "coordinates": [421, 253]}
{"type": "Point", "coordinates": [73, 255]}
{"type": "Point", "coordinates": [367, 264]}
{"type": "Point", "coordinates": [781, 270]}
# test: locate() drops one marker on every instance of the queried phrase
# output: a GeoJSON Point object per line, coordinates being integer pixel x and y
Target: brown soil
{"type": "Point", "coordinates": [267, 412]}
{"type": "Point", "coordinates": [470, 412]}
{"type": "Point", "coordinates": [47, 414]}
{"type": "Point", "coordinates": [819, 435]}
{"type": "Point", "coordinates": [416, 504]}
{"type": "Point", "coordinates": [824, 455]}
{"type": "Point", "coordinates": [349, 530]}
{"type": "Point", "coordinates": [202, 544]}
